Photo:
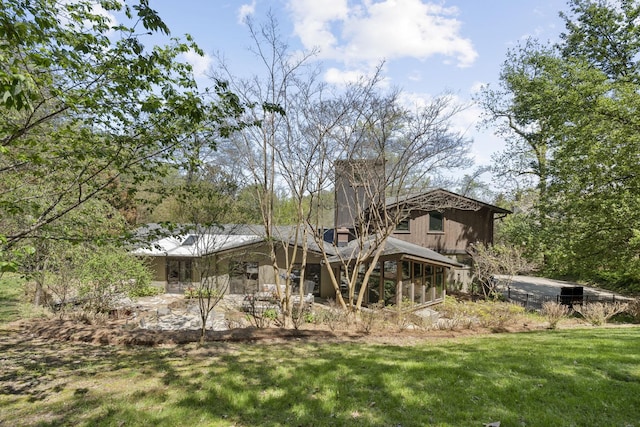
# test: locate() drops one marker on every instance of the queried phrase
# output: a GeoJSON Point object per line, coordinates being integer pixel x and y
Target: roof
{"type": "Point", "coordinates": [439, 198]}
{"type": "Point", "coordinates": [400, 248]}
{"type": "Point", "coordinates": [189, 240]}
{"type": "Point", "coordinates": [196, 245]}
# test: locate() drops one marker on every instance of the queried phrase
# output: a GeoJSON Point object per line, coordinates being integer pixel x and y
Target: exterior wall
{"type": "Point", "coordinates": [257, 254]}
{"type": "Point", "coordinates": [461, 227]}
{"type": "Point", "coordinates": [356, 183]}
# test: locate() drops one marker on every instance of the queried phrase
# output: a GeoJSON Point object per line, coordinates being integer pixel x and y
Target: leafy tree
{"type": "Point", "coordinates": [87, 111]}
{"type": "Point", "coordinates": [580, 100]}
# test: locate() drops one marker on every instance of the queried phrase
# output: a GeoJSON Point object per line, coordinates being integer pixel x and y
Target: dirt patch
{"type": "Point", "coordinates": [119, 333]}
{"type": "Point", "coordinates": [126, 330]}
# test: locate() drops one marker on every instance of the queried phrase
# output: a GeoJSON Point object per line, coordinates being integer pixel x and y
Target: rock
{"type": "Point", "coordinates": [163, 311]}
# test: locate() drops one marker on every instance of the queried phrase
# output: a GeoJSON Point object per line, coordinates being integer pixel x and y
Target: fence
{"type": "Point", "coordinates": [534, 302]}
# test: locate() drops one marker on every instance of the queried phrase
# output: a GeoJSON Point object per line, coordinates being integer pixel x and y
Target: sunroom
{"type": "Point", "coordinates": [406, 276]}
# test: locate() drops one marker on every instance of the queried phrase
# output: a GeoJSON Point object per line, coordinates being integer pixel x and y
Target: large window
{"type": "Point", "coordinates": [311, 280]}
{"type": "Point", "coordinates": [436, 222]}
{"type": "Point", "coordinates": [243, 277]}
{"type": "Point", "coordinates": [178, 271]}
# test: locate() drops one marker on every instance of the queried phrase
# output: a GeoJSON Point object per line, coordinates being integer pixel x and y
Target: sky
{"type": "Point", "coordinates": [429, 47]}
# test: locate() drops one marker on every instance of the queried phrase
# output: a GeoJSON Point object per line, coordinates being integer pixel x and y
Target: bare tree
{"type": "Point", "coordinates": [382, 154]}
{"type": "Point", "coordinates": [273, 154]}
{"type": "Point", "coordinates": [212, 273]}
{"type": "Point", "coordinates": [306, 130]}
{"type": "Point", "coordinates": [490, 261]}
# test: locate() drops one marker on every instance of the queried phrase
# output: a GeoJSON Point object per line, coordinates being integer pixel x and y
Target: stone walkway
{"type": "Point", "coordinates": [172, 312]}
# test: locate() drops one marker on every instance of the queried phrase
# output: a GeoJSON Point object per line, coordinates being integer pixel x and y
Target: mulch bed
{"type": "Point", "coordinates": [118, 333]}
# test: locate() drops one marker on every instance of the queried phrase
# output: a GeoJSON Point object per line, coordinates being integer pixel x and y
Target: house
{"type": "Point", "coordinates": [425, 251]}
{"type": "Point", "coordinates": [436, 219]}
{"type": "Point", "coordinates": [447, 223]}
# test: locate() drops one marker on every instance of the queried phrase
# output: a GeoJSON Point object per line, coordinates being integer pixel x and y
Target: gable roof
{"type": "Point", "coordinates": [439, 199]}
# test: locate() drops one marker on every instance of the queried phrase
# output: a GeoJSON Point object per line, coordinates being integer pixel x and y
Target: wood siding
{"type": "Point", "coordinates": [461, 228]}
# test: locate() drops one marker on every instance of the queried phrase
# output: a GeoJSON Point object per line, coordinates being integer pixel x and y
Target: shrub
{"type": "Point", "coordinates": [554, 312]}
{"type": "Point", "coordinates": [333, 316]}
{"type": "Point", "coordinates": [599, 313]}
{"type": "Point", "coordinates": [371, 317]}
{"type": "Point", "coordinates": [108, 274]}
{"type": "Point", "coordinates": [633, 309]}
{"type": "Point", "coordinates": [144, 290]}
{"type": "Point", "coordinates": [494, 315]}
{"type": "Point", "coordinates": [192, 293]}
{"type": "Point", "coordinates": [497, 315]}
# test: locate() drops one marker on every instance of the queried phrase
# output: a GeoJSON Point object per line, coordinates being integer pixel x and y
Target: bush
{"type": "Point", "coordinates": [192, 293]}
{"type": "Point", "coordinates": [554, 312]}
{"type": "Point", "coordinates": [599, 313]}
{"type": "Point", "coordinates": [333, 316]}
{"type": "Point", "coordinates": [143, 290]}
{"type": "Point", "coordinates": [494, 315]}
{"type": "Point", "coordinates": [107, 275]}
{"type": "Point", "coordinates": [633, 309]}
{"type": "Point", "coordinates": [371, 317]}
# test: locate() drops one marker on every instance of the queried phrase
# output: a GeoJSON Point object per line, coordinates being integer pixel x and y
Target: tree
{"type": "Point", "coordinates": [87, 110]}
{"type": "Point", "coordinates": [582, 97]}
{"type": "Point", "coordinates": [274, 165]}
{"type": "Point", "coordinates": [523, 111]}
{"type": "Point", "coordinates": [385, 152]}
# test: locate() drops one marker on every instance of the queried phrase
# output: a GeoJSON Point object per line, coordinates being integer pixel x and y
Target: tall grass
{"type": "Point", "coordinates": [585, 377]}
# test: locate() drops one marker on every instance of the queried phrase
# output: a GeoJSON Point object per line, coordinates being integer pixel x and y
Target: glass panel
{"type": "Point", "coordinates": [374, 285]}
{"type": "Point", "coordinates": [173, 271]}
{"type": "Point", "coordinates": [389, 272]}
{"type": "Point", "coordinates": [428, 283]}
{"type": "Point", "coordinates": [436, 222]}
{"type": "Point", "coordinates": [439, 282]}
{"type": "Point", "coordinates": [418, 283]}
{"type": "Point", "coordinates": [403, 225]}
{"type": "Point", "coordinates": [407, 285]}
{"type": "Point", "coordinates": [243, 277]}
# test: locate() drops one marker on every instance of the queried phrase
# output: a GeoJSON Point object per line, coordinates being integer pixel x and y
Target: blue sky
{"type": "Point", "coordinates": [429, 46]}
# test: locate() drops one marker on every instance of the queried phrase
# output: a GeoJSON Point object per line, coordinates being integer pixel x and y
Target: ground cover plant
{"type": "Point", "coordinates": [580, 377]}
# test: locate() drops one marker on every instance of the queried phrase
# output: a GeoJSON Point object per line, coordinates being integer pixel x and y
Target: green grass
{"type": "Point", "coordinates": [582, 377]}
{"type": "Point", "coordinates": [11, 290]}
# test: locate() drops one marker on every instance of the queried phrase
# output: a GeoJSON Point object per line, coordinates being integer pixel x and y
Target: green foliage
{"type": "Point", "coordinates": [493, 315]}
{"type": "Point", "coordinates": [87, 111]}
{"type": "Point", "coordinates": [11, 296]}
{"type": "Point", "coordinates": [107, 275]}
{"type": "Point", "coordinates": [193, 293]}
{"type": "Point", "coordinates": [569, 112]}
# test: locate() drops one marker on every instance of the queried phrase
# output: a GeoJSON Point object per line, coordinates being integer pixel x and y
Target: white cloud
{"type": "Point", "coordinates": [477, 87]}
{"type": "Point", "coordinates": [313, 22]}
{"type": "Point", "coordinates": [200, 64]}
{"type": "Point", "coordinates": [387, 29]}
{"type": "Point", "coordinates": [246, 10]}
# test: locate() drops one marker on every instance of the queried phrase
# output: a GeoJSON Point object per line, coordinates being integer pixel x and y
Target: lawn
{"type": "Point", "coordinates": [11, 290]}
{"type": "Point", "coordinates": [581, 377]}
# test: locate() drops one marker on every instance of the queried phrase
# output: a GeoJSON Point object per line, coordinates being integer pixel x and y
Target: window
{"type": "Point", "coordinates": [436, 222]}
{"type": "Point", "coordinates": [243, 277]}
{"type": "Point", "coordinates": [178, 271]}
{"type": "Point", "coordinates": [403, 225]}
{"type": "Point", "coordinates": [190, 240]}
